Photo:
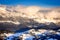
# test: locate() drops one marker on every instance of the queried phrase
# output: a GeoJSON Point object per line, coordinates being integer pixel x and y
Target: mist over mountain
{"type": "Point", "coordinates": [17, 17]}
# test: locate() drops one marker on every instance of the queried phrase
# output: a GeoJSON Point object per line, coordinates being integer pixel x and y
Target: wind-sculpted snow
{"type": "Point", "coordinates": [16, 17]}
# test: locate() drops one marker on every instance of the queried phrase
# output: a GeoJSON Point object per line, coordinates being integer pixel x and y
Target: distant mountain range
{"type": "Point", "coordinates": [17, 17]}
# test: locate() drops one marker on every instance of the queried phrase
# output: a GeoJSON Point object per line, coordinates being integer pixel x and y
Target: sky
{"type": "Point", "coordinates": [44, 3]}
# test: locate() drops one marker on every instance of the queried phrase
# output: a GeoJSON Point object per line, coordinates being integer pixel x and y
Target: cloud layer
{"type": "Point", "coordinates": [48, 14]}
{"type": "Point", "coordinates": [23, 15]}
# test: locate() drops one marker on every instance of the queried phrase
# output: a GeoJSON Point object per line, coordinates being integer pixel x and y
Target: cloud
{"type": "Point", "coordinates": [30, 12]}
{"type": "Point", "coordinates": [28, 15]}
